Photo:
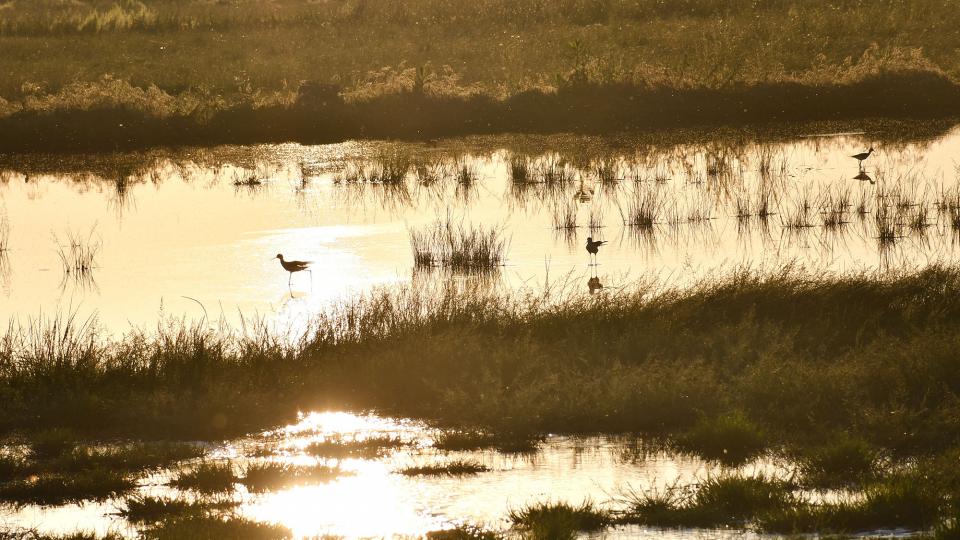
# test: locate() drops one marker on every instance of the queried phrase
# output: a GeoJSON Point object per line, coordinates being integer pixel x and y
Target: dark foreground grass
{"type": "Point", "coordinates": [746, 364]}
{"type": "Point", "coordinates": [215, 528]}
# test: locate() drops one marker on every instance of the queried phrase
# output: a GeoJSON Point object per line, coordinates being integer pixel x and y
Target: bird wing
{"type": "Point", "coordinates": [300, 264]}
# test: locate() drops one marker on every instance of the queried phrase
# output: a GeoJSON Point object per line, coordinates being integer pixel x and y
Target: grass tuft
{"type": "Point", "coordinates": [559, 520]}
{"type": "Point", "coordinates": [731, 439]}
{"type": "Point", "coordinates": [261, 477]}
{"type": "Point", "coordinates": [206, 477]}
{"type": "Point", "coordinates": [453, 468]}
{"type": "Point", "coordinates": [51, 489]}
{"type": "Point", "coordinates": [342, 448]}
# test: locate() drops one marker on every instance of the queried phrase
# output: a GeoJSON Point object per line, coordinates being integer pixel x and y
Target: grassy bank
{"type": "Point", "coordinates": [852, 378]}
{"type": "Point", "coordinates": [777, 355]}
{"type": "Point", "coordinates": [104, 75]}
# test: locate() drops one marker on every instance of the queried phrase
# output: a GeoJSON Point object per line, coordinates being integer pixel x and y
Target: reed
{"type": "Point", "coordinates": [453, 244]}
{"type": "Point", "coordinates": [78, 253]}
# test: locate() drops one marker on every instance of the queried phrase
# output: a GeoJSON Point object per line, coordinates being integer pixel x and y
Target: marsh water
{"type": "Point", "coordinates": [372, 499]}
{"type": "Point", "coordinates": [193, 234]}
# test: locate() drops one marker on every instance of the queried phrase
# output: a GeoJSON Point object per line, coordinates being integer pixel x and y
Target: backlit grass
{"type": "Point", "coordinates": [453, 468]}
{"type": "Point", "coordinates": [342, 448]}
{"type": "Point", "coordinates": [206, 477]}
{"type": "Point", "coordinates": [260, 477]}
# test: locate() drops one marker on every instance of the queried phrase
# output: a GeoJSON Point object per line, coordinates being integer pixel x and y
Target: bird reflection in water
{"type": "Point", "coordinates": [864, 177]}
{"type": "Point", "coordinates": [594, 284]}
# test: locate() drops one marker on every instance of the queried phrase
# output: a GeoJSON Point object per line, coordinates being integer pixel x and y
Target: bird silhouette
{"type": "Point", "coordinates": [593, 246]}
{"type": "Point", "coordinates": [294, 266]}
{"type": "Point", "coordinates": [862, 156]}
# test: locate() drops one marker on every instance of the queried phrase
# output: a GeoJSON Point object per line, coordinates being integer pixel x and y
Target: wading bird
{"type": "Point", "coordinates": [294, 266]}
{"type": "Point", "coordinates": [862, 156]}
{"type": "Point", "coordinates": [594, 246]}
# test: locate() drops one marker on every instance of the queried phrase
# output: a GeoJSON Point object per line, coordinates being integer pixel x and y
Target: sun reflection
{"type": "Point", "coordinates": [370, 503]}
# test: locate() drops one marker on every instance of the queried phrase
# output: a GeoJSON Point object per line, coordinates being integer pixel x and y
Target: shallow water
{"type": "Point", "coordinates": [178, 239]}
{"type": "Point", "coordinates": [376, 501]}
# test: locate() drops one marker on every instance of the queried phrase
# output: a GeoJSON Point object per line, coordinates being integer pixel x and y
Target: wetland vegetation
{"type": "Point", "coordinates": [852, 377]}
{"type": "Point", "coordinates": [128, 73]}
{"type": "Point", "coordinates": [807, 387]}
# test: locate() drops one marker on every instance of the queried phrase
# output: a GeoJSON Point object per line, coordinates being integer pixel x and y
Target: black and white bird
{"type": "Point", "coordinates": [593, 246]}
{"type": "Point", "coordinates": [862, 156]}
{"type": "Point", "coordinates": [294, 266]}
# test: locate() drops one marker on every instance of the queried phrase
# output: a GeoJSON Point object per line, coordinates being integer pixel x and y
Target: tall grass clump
{"type": "Point", "coordinates": [731, 439]}
{"type": "Point", "coordinates": [724, 500]}
{"type": "Point", "coordinates": [565, 216]}
{"type": "Point", "coordinates": [389, 167]}
{"type": "Point", "coordinates": [520, 169]}
{"type": "Point", "coordinates": [261, 477]}
{"type": "Point", "coordinates": [148, 509]}
{"type": "Point", "coordinates": [206, 477]}
{"type": "Point", "coordinates": [453, 468]}
{"type": "Point", "coordinates": [842, 461]}
{"type": "Point", "coordinates": [205, 526]}
{"type": "Point", "coordinates": [559, 520]}
{"type": "Point", "coordinates": [644, 210]}
{"type": "Point", "coordinates": [451, 244]}
{"type": "Point", "coordinates": [343, 447]}
{"type": "Point", "coordinates": [78, 253]}
{"type": "Point", "coordinates": [53, 489]}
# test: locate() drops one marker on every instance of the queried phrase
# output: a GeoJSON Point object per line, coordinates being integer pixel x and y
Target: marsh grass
{"type": "Point", "coordinates": [246, 179]}
{"type": "Point", "coordinates": [889, 223]}
{"type": "Point", "coordinates": [147, 509]}
{"type": "Point", "coordinates": [553, 170]}
{"type": "Point", "coordinates": [843, 460]}
{"type": "Point", "coordinates": [206, 477]}
{"type": "Point", "coordinates": [448, 243]}
{"type": "Point", "coordinates": [389, 167]}
{"type": "Point", "coordinates": [267, 476]}
{"type": "Point", "coordinates": [78, 253]}
{"type": "Point", "coordinates": [605, 171]}
{"type": "Point", "coordinates": [342, 447]}
{"type": "Point", "coordinates": [215, 527]}
{"type": "Point", "coordinates": [52, 443]}
{"type": "Point", "coordinates": [565, 216]}
{"type": "Point", "coordinates": [452, 468]}
{"type": "Point", "coordinates": [504, 441]}
{"type": "Point", "coordinates": [731, 439]}
{"type": "Point", "coordinates": [560, 520]}
{"type": "Point", "coordinates": [595, 219]}
{"type": "Point", "coordinates": [466, 171]}
{"type": "Point", "coordinates": [12, 466]}
{"type": "Point", "coordinates": [898, 501]}
{"type": "Point", "coordinates": [465, 532]}
{"type": "Point", "coordinates": [724, 500]}
{"type": "Point", "coordinates": [54, 489]}
{"type": "Point", "coordinates": [520, 169]}
{"type": "Point", "coordinates": [644, 210]}
{"type": "Point", "coordinates": [128, 457]}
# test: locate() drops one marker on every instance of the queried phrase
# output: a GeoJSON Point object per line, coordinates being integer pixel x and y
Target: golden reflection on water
{"type": "Point", "coordinates": [178, 231]}
{"type": "Point", "coordinates": [373, 500]}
